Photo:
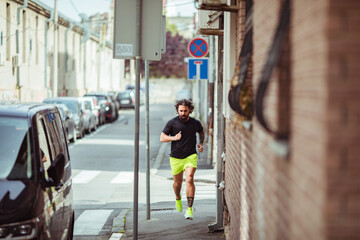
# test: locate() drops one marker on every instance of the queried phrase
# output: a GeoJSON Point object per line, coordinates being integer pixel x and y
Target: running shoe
{"type": "Point", "coordinates": [178, 205]}
{"type": "Point", "coordinates": [189, 213]}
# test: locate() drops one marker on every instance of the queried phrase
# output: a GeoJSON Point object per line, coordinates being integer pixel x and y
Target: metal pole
{"type": "Point", "coordinates": [197, 91]}
{"type": "Point", "coordinates": [220, 141]}
{"type": "Point", "coordinates": [55, 54]}
{"type": "Point", "coordinates": [18, 87]}
{"type": "Point", "coordinates": [137, 115]}
{"type": "Point", "coordinates": [147, 130]}
{"type": "Point", "coordinates": [211, 98]}
{"type": "Point", "coordinates": [46, 83]}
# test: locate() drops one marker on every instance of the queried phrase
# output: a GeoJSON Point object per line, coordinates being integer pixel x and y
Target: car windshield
{"type": "Point", "coordinates": [62, 113]}
{"type": "Point", "coordinates": [71, 105]}
{"type": "Point", "coordinates": [99, 97]}
{"type": "Point", "coordinates": [15, 157]}
{"type": "Point", "coordinates": [124, 95]}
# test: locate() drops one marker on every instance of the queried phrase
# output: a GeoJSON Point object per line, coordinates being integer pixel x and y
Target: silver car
{"type": "Point", "coordinates": [91, 120]}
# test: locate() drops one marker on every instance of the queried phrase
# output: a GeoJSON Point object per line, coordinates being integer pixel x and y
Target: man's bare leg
{"type": "Point", "coordinates": [190, 186]}
{"type": "Point", "coordinates": [178, 179]}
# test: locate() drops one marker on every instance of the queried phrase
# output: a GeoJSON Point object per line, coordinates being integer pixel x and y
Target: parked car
{"type": "Point", "coordinates": [101, 106]}
{"type": "Point", "coordinates": [96, 109]}
{"type": "Point", "coordinates": [90, 117]}
{"type": "Point", "coordinates": [142, 93]}
{"type": "Point", "coordinates": [126, 99]}
{"type": "Point", "coordinates": [74, 104]}
{"type": "Point", "coordinates": [36, 197]}
{"type": "Point", "coordinates": [68, 121]}
{"type": "Point", "coordinates": [112, 95]}
{"type": "Point", "coordinates": [110, 106]}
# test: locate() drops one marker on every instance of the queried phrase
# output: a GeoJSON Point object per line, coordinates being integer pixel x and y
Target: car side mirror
{"type": "Point", "coordinates": [56, 170]}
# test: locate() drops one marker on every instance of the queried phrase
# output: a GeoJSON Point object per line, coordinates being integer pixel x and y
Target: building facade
{"type": "Point", "coordinates": [34, 65]}
{"type": "Point", "coordinates": [286, 118]}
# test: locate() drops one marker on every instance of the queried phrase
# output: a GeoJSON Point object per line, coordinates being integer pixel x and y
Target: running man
{"type": "Point", "coordinates": [181, 132]}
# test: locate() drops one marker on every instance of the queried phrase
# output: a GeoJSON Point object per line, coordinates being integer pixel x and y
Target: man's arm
{"type": "Point", "coordinates": [202, 136]}
{"type": "Point", "coordinates": [200, 146]}
{"type": "Point", "coordinates": [167, 138]}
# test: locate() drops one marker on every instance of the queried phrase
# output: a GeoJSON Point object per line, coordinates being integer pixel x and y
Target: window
{"type": "Point", "coordinates": [80, 46]}
{"type": "Point", "coordinates": [57, 140]}
{"type": "Point", "coordinates": [24, 36]}
{"type": "Point", "coordinates": [73, 53]}
{"type": "Point", "coordinates": [44, 145]}
{"type": "Point", "coordinates": [15, 148]}
{"type": "Point", "coordinates": [37, 39]}
{"type": "Point", "coordinates": [8, 21]}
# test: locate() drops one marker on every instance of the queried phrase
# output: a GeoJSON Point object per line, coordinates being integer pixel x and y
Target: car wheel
{"type": "Point", "coordinates": [73, 140]}
{"type": "Point", "coordinates": [71, 229]}
{"type": "Point", "coordinates": [82, 133]}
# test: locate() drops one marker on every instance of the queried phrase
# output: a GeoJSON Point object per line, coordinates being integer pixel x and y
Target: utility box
{"type": "Point", "coordinates": [125, 37]}
{"type": "Point", "coordinates": [209, 19]}
{"type": "Point", "coordinates": [213, 2]}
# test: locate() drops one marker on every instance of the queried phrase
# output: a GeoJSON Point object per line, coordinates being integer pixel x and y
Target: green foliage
{"type": "Point", "coordinates": [172, 63]}
{"type": "Point", "coordinates": [172, 28]}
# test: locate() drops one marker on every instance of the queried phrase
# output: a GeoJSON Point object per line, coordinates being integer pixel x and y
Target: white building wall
{"type": "Point", "coordinates": [229, 59]}
{"type": "Point", "coordinates": [7, 72]}
{"type": "Point", "coordinates": [35, 86]}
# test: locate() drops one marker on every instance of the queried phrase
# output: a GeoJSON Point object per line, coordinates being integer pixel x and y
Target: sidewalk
{"type": "Point", "coordinates": [166, 223]}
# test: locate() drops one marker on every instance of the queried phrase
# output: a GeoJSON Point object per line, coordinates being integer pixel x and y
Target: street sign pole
{"type": "Point", "coordinates": [137, 117]}
{"type": "Point", "coordinates": [197, 89]}
{"type": "Point", "coordinates": [147, 130]}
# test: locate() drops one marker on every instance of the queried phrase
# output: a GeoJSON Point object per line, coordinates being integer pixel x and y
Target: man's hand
{"type": "Point", "coordinates": [200, 147]}
{"type": "Point", "coordinates": [177, 137]}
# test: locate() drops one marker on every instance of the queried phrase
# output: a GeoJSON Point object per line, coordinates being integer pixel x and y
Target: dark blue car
{"type": "Point", "coordinates": [36, 198]}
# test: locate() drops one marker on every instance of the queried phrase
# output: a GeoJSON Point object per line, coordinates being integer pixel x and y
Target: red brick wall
{"type": "Point", "coordinates": [233, 176]}
{"type": "Point", "coordinates": [238, 165]}
{"type": "Point", "coordinates": [314, 193]}
{"type": "Point", "coordinates": [342, 210]}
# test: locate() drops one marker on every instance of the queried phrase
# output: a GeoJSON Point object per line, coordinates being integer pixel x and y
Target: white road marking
{"type": "Point", "coordinates": [99, 141]}
{"type": "Point", "coordinates": [85, 176]}
{"type": "Point", "coordinates": [115, 236]}
{"type": "Point", "coordinates": [90, 222]}
{"type": "Point", "coordinates": [123, 177]}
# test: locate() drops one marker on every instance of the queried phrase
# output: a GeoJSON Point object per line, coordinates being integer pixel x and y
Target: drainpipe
{"type": "Point", "coordinates": [84, 40]}
{"type": "Point", "coordinates": [55, 52]}
{"type": "Point", "coordinates": [66, 46]}
{"type": "Point", "coordinates": [46, 85]}
{"type": "Point", "coordinates": [66, 55]}
{"type": "Point", "coordinates": [18, 86]}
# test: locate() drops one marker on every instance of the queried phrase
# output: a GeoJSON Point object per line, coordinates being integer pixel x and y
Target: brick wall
{"type": "Point", "coordinates": [314, 193]}
{"type": "Point", "coordinates": [342, 210]}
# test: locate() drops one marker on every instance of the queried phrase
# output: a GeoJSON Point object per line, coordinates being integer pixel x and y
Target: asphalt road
{"type": "Point", "coordinates": [102, 165]}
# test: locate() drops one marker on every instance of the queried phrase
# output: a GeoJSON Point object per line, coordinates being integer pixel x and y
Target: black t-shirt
{"type": "Point", "coordinates": [187, 144]}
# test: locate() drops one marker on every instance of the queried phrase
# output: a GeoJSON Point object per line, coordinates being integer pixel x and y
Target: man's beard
{"type": "Point", "coordinates": [184, 118]}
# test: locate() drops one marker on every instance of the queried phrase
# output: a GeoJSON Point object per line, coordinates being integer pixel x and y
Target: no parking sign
{"type": "Point", "coordinates": [198, 47]}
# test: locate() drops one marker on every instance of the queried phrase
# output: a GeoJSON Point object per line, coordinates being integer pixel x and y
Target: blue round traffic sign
{"type": "Point", "coordinates": [198, 47]}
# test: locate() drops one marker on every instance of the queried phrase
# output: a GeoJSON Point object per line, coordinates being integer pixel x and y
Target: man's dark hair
{"type": "Point", "coordinates": [184, 102]}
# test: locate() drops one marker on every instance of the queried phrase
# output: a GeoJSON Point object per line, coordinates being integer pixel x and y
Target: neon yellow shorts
{"type": "Point", "coordinates": [179, 165]}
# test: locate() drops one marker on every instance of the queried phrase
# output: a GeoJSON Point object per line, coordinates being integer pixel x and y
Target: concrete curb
{"type": "Point", "coordinates": [119, 222]}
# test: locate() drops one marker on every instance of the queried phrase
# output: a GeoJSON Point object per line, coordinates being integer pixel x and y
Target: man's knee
{"type": "Point", "coordinates": [177, 181]}
{"type": "Point", "coordinates": [190, 179]}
